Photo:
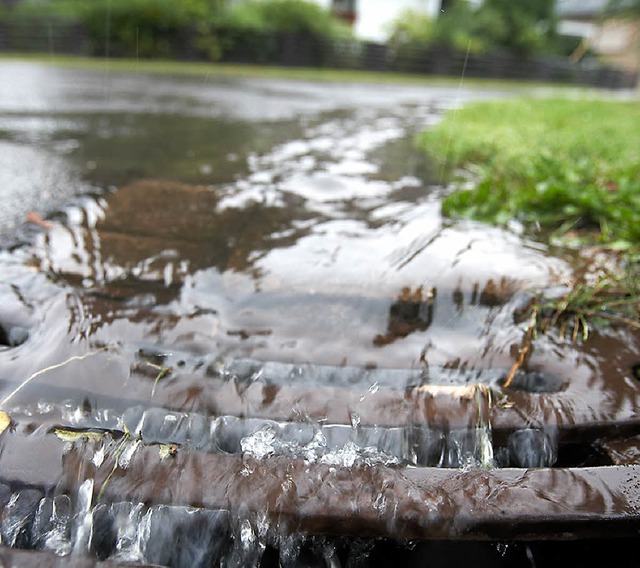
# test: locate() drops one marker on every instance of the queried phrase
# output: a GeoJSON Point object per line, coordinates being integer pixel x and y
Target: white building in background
{"type": "Point", "coordinates": [373, 17]}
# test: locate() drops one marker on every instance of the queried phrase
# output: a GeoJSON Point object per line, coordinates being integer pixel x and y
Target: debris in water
{"type": "Point", "coordinates": [77, 435]}
{"type": "Point", "coordinates": [454, 391]}
{"type": "Point", "coordinates": [5, 421]}
{"type": "Point", "coordinates": [168, 451]}
{"type": "Point", "coordinates": [163, 372]}
{"type": "Point", "coordinates": [36, 219]}
{"type": "Point", "coordinates": [35, 375]}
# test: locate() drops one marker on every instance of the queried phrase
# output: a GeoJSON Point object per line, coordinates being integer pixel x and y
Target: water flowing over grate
{"type": "Point", "coordinates": [235, 491]}
{"type": "Point", "coordinates": [266, 347]}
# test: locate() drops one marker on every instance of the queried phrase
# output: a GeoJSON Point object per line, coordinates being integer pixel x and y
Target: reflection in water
{"type": "Point", "coordinates": [412, 311]}
{"type": "Point", "coordinates": [297, 258]}
{"type": "Point", "coordinates": [160, 230]}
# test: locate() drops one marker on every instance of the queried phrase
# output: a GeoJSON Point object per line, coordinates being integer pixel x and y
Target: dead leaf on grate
{"type": "Point", "coordinates": [78, 435]}
{"type": "Point", "coordinates": [4, 421]}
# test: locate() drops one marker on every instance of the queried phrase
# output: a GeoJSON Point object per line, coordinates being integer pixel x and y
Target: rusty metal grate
{"type": "Point", "coordinates": [415, 471]}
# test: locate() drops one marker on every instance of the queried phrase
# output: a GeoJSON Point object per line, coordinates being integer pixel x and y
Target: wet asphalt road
{"type": "Point", "coordinates": [52, 121]}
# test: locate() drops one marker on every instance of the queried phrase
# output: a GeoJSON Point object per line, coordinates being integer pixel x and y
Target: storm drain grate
{"type": "Point", "coordinates": [403, 460]}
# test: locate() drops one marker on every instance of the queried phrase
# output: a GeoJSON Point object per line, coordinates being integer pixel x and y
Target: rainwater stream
{"type": "Point", "coordinates": [248, 337]}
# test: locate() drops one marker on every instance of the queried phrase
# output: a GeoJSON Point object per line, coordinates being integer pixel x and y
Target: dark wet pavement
{"type": "Point", "coordinates": [231, 249]}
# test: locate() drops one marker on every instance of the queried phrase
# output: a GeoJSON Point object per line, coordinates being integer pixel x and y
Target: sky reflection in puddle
{"type": "Point", "coordinates": [302, 265]}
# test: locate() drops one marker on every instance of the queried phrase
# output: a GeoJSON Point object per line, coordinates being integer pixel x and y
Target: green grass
{"type": "Point", "coordinates": [571, 166]}
{"type": "Point", "coordinates": [208, 69]}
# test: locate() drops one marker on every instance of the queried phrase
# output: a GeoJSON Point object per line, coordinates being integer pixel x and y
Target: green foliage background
{"type": "Point", "coordinates": [153, 28]}
{"type": "Point", "coordinates": [525, 27]}
{"type": "Point", "coordinates": [148, 28]}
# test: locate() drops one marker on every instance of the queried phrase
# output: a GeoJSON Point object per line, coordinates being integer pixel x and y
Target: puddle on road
{"type": "Point", "coordinates": [214, 266]}
{"type": "Point", "coordinates": [312, 251]}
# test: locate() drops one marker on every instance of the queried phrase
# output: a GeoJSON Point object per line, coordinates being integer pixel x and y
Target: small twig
{"type": "Point", "coordinates": [163, 372]}
{"type": "Point", "coordinates": [524, 350]}
{"type": "Point", "coordinates": [117, 453]}
{"type": "Point", "coordinates": [514, 368]}
{"type": "Point", "coordinates": [47, 369]}
{"type": "Point", "coordinates": [576, 328]}
{"type": "Point", "coordinates": [585, 328]}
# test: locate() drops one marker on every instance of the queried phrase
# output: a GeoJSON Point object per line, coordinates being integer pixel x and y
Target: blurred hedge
{"type": "Point", "coordinates": [169, 28]}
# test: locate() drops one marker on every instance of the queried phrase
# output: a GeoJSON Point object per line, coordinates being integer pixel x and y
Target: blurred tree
{"type": "Point", "coordinates": [526, 26]}
{"type": "Point", "coordinates": [148, 28]}
{"type": "Point", "coordinates": [411, 27]}
{"type": "Point", "coordinates": [252, 26]}
{"type": "Point", "coordinates": [465, 27]}
{"type": "Point", "coordinates": [285, 16]}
